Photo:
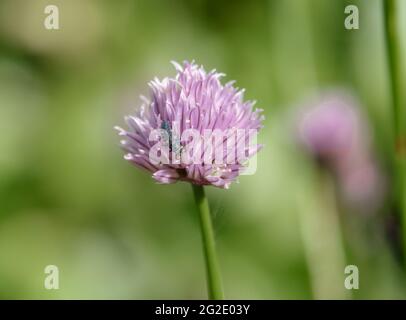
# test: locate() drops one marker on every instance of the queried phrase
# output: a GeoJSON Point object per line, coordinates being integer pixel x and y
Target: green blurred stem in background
{"type": "Point", "coordinates": [214, 284]}
{"type": "Point", "coordinates": [395, 69]}
{"type": "Point", "coordinates": [323, 237]}
{"type": "Point", "coordinates": [394, 66]}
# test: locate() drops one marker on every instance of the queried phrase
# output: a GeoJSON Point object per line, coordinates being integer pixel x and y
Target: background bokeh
{"type": "Point", "coordinates": [67, 198]}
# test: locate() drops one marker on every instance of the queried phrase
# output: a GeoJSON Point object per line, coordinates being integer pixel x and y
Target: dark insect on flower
{"type": "Point", "coordinates": [170, 140]}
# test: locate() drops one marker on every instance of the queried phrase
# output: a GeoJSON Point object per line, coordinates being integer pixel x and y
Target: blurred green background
{"type": "Point", "coordinates": [67, 198]}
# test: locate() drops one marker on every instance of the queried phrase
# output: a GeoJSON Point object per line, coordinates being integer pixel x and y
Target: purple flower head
{"type": "Point", "coordinates": [330, 129]}
{"type": "Point", "coordinates": [192, 129]}
{"type": "Point", "coordinates": [334, 131]}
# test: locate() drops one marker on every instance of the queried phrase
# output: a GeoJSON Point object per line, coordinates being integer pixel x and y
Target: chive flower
{"type": "Point", "coordinates": [193, 105]}
{"type": "Point", "coordinates": [194, 129]}
{"type": "Point", "coordinates": [334, 131]}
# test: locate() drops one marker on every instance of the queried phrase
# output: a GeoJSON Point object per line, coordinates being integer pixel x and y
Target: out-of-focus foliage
{"type": "Point", "coordinates": [67, 198]}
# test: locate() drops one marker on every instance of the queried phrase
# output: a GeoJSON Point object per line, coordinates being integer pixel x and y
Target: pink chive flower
{"type": "Point", "coordinates": [192, 100]}
{"type": "Point", "coordinates": [330, 129]}
{"type": "Point", "coordinates": [334, 131]}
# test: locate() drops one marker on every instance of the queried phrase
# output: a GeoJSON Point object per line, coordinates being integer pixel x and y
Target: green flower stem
{"type": "Point", "coordinates": [392, 46]}
{"type": "Point", "coordinates": [214, 283]}
{"type": "Point", "coordinates": [395, 68]}
{"type": "Point", "coordinates": [322, 237]}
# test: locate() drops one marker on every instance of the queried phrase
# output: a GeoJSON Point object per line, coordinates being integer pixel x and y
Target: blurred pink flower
{"type": "Point", "coordinates": [334, 132]}
{"type": "Point", "coordinates": [330, 129]}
